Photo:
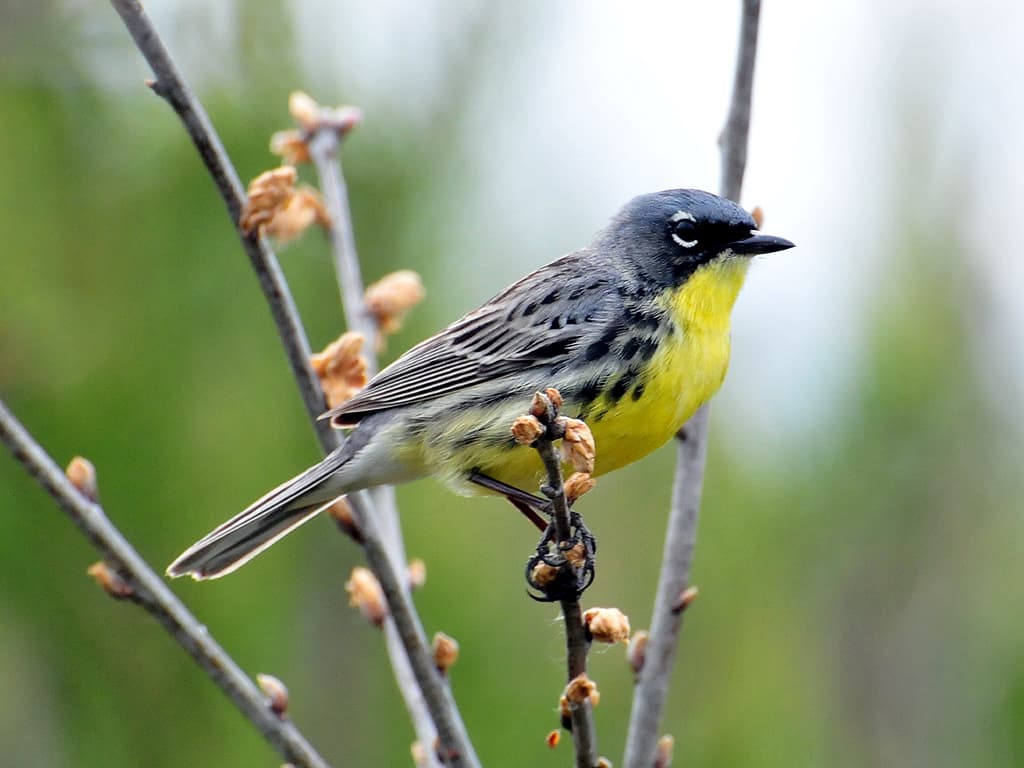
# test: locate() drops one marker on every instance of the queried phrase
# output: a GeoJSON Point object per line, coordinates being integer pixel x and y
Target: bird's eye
{"type": "Point", "coordinates": [684, 232]}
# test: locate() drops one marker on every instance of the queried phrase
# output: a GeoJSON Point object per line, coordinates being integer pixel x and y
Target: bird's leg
{"type": "Point", "coordinates": [525, 502]}
{"type": "Point", "coordinates": [545, 570]}
{"type": "Point", "coordinates": [529, 513]}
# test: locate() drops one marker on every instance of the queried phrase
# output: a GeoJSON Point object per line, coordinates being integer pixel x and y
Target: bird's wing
{"type": "Point", "coordinates": [539, 321]}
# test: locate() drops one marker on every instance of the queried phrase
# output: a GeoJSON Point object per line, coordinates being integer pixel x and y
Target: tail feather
{"type": "Point", "coordinates": [268, 519]}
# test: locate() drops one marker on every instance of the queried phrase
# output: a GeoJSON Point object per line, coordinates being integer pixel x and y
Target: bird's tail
{"type": "Point", "coordinates": [265, 521]}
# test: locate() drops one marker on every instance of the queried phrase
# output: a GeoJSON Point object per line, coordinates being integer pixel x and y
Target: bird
{"type": "Point", "coordinates": [633, 331]}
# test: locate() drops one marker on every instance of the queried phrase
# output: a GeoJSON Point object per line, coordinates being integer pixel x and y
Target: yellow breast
{"type": "Point", "coordinates": [685, 372]}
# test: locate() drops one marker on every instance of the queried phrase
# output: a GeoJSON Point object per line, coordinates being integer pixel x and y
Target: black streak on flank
{"type": "Point", "coordinates": [622, 385]}
{"type": "Point", "coordinates": [596, 350]}
{"type": "Point", "coordinates": [647, 348]}
{"type": "Point", "coordinates": [640, 319]}
{"type": "Point", "coordinates": [589, 391]}
{"type": "Point", "coordinates": [602, 346]}
{"type": "Point", "coordinates": [638, 392]}
{"type": "Point", "coordinates": [630, 348]}
{"type": "Point", "coordinates": [551, 298]}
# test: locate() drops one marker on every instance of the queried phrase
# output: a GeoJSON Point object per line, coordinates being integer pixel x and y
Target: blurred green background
{"type": "Point", "coordinates": [860, 547]}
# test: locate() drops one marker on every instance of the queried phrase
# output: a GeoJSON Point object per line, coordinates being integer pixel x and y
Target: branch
{"type": "Point", "coordinates": [427, 697]}
{"type": "Point", "coordinates": [324, 149]}
{"type": "Point", "coordinates": [454, 744]}
{"type": "Point", "coordinates": [666, 622]}
{"type": "Point", "coordinates": [577, 643]}
{"type": "Point", "coordinates": [147, 589]}
{"type": "Point", "coordinates": [170, 85]}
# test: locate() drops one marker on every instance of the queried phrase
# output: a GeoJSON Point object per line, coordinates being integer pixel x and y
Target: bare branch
{"type": "Point", "coordinates": [143, 586]}
{"type": "Point", "coordinates": [734, 139]}
{"type": "Point", "coordinates": [408, 631]}
{"type": "Point", "coordinates": [427, 696]}
{"type": "Point", "coordinates": [455, 746]}
{"type": "Point", "coordinates": [324, 151]}
{"type": "Point", "coordinates": [577, 644]}
{"type": "Point", "coordinates": [173, 89]}
{"type": "Point", "coordinates": [666, 622]}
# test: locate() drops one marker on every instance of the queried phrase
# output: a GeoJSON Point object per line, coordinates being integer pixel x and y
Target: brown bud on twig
{"type": "Point", "coordinates": [341, 368]}
{"type": "Point", "coordinates": [580, 689]}
{"type": "Point", "coordinates": [553, 738]}
{"type": "Point", "coordinates": [577, 484]}
{"type": "Point", "coordinates": [564, 709]}
{"type": "Point", "coordinates": [636, 652]}
{"type": "Point", "coordinates": [343, 119]}
{"type": "Point", "coordinates": [578, 446]}
{"type": "Point", "coordinates": [302, 210]}
{"type": "Point", "coordinates": [366, 595]}
{"type": "Point", "coordinates": [686, 597]}
{"type": "Point", "coordinates": [390, 299]}
{"type": "Point", "coordinates": [291, 146]}
{"type": "Point", "coordinates": [544, 575]}
{"type": "Point", "coordinates": [311, 116]}
{"type": "Point", "coordinates": [110, 580]}
{"type": "Point", "coordinates": [276, 692]}
{"type": "Point", "coordinates": [267, 194]}
{"type": "Point", "coordinates": [555, 397]}
{"type": "Point", "coordinates": [663, 755]}
{"type": "Point", "coordinates": [445, 650]}
{"type": "Point", "coordinates": [603, 762]}
{"type": "Point", "coordinates": [526, 429]}
{"type": "Point", "coordinates": [305, 111]}
{"type": "Point", "coordinates": [274, 206]}
{"type": "Point", "coordinates": [607, 625]}
{"type": "Point", "coordinates": [82, 475]}
{"type": "Point", "coordinates": [539, 407]}
{"type": "Point", "coordinates": [576, 555]}
{"type": "Point", "coordinates": [758, 216]}
{"type": "Point", "coordinates": [416, 573]}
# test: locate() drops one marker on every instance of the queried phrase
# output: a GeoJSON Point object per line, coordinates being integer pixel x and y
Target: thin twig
{"type": "Point", "coordinates": [149, 591]}
{"type": "Point", "coordinates": [171, 86]}
{"type": "Point", "coordinates": [427, 697]}
{"type": "Point", "coordinates": [324, 151]}
{"type": "Point", "coordinates": [667, 617]}
{"type": "Point", "coordinates": [173, 89]}
{"type": "Point", "coordinates": [454, 744]}
{"type": "Point", "coordinates": [577, 645]}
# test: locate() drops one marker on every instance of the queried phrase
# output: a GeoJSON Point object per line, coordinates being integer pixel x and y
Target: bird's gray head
{"type": "Point", "coordinates": [670, 234]}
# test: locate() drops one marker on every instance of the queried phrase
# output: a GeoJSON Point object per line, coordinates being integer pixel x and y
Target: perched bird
{"type": "Point", "coordinates": [633, 331]}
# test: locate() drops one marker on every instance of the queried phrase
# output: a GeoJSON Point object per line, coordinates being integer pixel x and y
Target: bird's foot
{"type": "Point", "coordinates": [562, 570]}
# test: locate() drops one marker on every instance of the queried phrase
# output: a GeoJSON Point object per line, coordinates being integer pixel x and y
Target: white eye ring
{"type": "Point", "coordinates": [684, 243]}
{"type": "Point", "coordinates": [681, 215]}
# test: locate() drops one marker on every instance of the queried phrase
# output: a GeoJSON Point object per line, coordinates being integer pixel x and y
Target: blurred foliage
{"type": "Point", "coordinates": [859, 592]}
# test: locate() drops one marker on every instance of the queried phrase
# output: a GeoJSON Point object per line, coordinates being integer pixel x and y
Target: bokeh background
{"type": "Point", "coordinates": [860, 555]}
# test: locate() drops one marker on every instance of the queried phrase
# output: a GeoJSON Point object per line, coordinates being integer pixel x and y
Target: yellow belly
{"type": "Point", "coordinates": [684, 373]}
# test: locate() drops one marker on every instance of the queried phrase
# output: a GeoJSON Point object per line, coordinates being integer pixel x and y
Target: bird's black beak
{"type": "Point", "coordinates": [758, 243]}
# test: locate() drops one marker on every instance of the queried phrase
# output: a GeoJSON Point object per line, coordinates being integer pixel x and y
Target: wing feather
{"type": "Point", "coordinates": [539, 321]}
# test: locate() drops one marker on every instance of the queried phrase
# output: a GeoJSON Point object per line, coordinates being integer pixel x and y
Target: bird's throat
{"type": "Point", "coordinates": [703, 304]}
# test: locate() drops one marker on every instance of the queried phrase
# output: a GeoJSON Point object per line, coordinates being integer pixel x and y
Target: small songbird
{"type": "Point", "coordinates": [632, 330]}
